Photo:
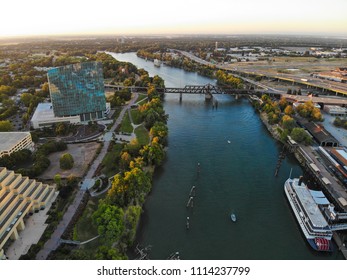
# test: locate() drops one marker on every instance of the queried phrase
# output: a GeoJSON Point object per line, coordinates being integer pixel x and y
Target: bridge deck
{"type": "Point", "coordinates": [213, 89]}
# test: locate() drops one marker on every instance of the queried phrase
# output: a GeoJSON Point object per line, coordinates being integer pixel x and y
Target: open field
{"type": "Point", "coordinates": [302, 64]}
{"type": "Point", "coordinates": [82, 154]}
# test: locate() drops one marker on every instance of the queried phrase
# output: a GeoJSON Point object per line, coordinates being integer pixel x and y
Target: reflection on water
{"type": "Point", "coordinates": [237, 159]}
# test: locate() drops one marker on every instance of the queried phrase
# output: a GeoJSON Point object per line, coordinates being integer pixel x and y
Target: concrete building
{"type": "Point", "coordinates": [44, 117]}
{"type": "Point", "coordinates": [335, 110]}
{"type": "Point", "coordinates": [14, 141]}
{"type": "Point", "coordinates": [19, 197]}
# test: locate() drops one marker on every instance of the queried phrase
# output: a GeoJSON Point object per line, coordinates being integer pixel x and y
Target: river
{"type": "Point", "coordinates": [237, 159]}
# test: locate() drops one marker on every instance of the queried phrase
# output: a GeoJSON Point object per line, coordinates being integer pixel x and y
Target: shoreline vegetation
{"type": "Point", "coordinates": [115, 217]}
{"type": "Point", "coordinates": [135, 162]}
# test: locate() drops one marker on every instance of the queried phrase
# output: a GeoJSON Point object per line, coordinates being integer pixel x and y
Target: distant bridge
{"type": "Point", "coordinates": [210, 89]}
{"type": "Point", "coordinates": [190, 89]}
{"type": "Point", "coordinates": [207, 89]}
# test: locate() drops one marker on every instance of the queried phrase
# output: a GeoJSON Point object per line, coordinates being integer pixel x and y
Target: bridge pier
{"type": "Point", "coordinates": [181, 94]}
{"type": "Point", "coordinates": [208, 96]}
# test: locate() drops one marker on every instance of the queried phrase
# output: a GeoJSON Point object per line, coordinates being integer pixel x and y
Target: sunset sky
{"type": "Point", "coordinates": [122, 17]}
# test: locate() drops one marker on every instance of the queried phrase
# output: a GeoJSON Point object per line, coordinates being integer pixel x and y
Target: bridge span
{"type": "Point", "coordinates": [209, 90]}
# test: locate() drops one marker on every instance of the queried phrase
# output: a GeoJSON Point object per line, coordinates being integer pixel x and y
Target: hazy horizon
{"type": "Point", "coordinates": [154, 18]}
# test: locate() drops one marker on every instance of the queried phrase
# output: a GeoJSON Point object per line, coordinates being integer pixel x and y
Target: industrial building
{"type": "Point", "coordinates": [320, 134]}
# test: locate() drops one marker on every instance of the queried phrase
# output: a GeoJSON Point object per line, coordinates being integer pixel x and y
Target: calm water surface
{"type": "Point", "coordinates": [234, 177]}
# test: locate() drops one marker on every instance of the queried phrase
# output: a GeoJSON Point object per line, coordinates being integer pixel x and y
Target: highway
{"type": "Point", "coordinates": [312, 82]}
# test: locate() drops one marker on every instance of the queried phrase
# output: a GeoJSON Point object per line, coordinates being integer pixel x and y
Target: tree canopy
{"type": "Point", "coordinates": [66, 161]}
{"type": "Point", "coordinates": [5, 126]}
{"type": "Point", "coordinates": [109, 221]}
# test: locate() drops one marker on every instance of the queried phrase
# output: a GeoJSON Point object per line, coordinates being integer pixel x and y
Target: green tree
{"type": "Point", "coordinates": [5, 126]}
{"type": "Point", "coordinates": [159, 129]}
{"type": "Point", "coordinates": [57, 179]}
{"type": "Point", "coordinates": [299, 135]}
{"type": "Point", "coordinates": [132, 217]}
{"type": "Point", "coordinates": [7, 90]}
{"type": "Point", "coordinates": [45, 88]}
{"type": "Point", "coordinates": [107, 253]}
{"type": "Point", "coordinates": [289, 110]}
{"type": "Point", "coordinates": [309, 111]}
{"type": "Point", "coordinates": [62, 129]}
{"type": "Point", "coordinates": [283, 103]}
{"type": "Point", "coordinates": [66, 161]}
{"type": "Point", "coordinates": [109, 221]}
{"type": "Point", "coordinates": [288, 122]}
{"type": "Point", "coordinates": [158, 81]}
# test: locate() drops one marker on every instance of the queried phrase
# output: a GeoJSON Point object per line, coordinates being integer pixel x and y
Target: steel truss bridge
{"type": "Point", "coordinates": [209, 90]}
{"type": "Point", "coordinates": [193, 89]}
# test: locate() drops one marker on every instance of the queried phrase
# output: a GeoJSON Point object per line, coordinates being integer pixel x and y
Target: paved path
{"type": "Point", "coordinates": [53, 243]}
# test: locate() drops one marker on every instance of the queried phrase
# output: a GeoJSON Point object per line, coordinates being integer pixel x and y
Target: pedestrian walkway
{"type": "Point", "coordinates": [53, 243]}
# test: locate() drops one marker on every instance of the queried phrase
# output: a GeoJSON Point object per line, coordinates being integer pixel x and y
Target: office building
{"type": "Point", "coordinates": [78, 89]}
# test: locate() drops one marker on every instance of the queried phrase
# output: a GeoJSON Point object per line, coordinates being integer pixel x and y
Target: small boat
{"type": "Point", "coordinates": [233, 217]}
{"type": "Point", "coordinates": [157, 62]}
{"type": "Point", "coordinates": [229, 142]}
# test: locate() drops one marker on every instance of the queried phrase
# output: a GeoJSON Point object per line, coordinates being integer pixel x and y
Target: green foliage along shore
{"type": "Point", "coordinates": [119, 212]}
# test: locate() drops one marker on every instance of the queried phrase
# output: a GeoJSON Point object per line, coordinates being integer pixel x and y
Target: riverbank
{"type": "Point", "coordinates": [246, 183]}
{"type": "Point", "coordinates": [301, 154]}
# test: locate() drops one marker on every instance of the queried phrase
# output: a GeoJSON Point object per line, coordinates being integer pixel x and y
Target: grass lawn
{"type": "Point", "coordinates": [84, 229]}
{"type": "Point", "coordinates": [116, 113]}
{"type": "Point", "coordinates": [126, 124]}
{"type": "Point", "coordinates": [136, 116]}
{"type": "Point", "coordinates": [110, 161]}
{"type": "Point", "coordinates": [142, 135]}
{"type": "Point", "coordinates": [141, 97]}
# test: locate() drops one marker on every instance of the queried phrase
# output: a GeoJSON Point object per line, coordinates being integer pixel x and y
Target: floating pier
{"type": "Point", "coordinates": [190, 202]}
{"type": "Point", "coordinates": [192, 191]}
{"type": "Point", "coordinates": [279, 162]}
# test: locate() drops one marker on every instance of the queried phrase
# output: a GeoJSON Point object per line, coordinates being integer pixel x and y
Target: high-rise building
{"type": "Point", "coordinates": [78, 89]}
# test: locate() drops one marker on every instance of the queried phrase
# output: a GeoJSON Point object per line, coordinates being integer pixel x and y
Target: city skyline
{"type": "Point", "coordinates": [104, 17]}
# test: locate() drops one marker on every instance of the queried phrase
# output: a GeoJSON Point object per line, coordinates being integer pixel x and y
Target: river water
{"type": "Point", "coordinates": [237, 159]}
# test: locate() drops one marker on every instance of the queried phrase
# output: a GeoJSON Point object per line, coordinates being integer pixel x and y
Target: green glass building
{"type": "Point", "coordinates": [78, 89]}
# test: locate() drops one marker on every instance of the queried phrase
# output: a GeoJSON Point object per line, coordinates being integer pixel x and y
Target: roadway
{"type": "Point", "coordinates": [312, 82]}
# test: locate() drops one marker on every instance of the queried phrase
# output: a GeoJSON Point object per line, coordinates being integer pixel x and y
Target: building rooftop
{"type": "Point", "coordinates": [320, 133]}
{"type": "Point", "coordinates": [44, 111]}
{"type": "Point", "coordinates": [9, 139]}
